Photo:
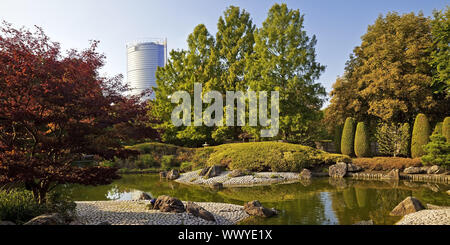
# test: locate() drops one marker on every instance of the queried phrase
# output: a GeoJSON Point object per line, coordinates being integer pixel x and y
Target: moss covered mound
{"type": "Point", "coordinates": [270, 156]}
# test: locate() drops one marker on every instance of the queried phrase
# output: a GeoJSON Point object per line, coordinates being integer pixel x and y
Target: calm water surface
{"type": "Point", "coordinates": [321, 201]}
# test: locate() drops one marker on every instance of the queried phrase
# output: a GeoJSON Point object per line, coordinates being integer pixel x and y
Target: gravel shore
{"type": "Point", "coordinates": [136, 213]}
{"type": "Point", "coordinates": [427, 217]}
{"type": "Point", "coordinates": [263, 178]}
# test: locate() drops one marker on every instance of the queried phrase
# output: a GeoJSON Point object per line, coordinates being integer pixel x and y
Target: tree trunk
{"type": "Point", "coordinates": [40, 193]}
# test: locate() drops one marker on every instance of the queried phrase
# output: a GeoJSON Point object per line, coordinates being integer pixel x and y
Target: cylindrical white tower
{"type": "Point", "coordinates": [143, 59]}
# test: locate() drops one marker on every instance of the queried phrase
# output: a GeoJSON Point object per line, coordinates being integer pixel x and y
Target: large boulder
{"type": "Point", "coordinates": [217, 186]}
{"type": "Point", "coordinates": [213, 172]}
{"type": "Point", "coordinates": [169, 204]}
{"type": "Point", "coordinates": [339, 170]}
{"type": "Point", "coordinates": [254, 208]}
{"type": "Point", "coordinates": [204, 171]}
{"type": "Point", "coordinates": [412, 170]}
{"type": "Point", "coordinates": [143, 197]}
{"type": "Point", "coordinates": [6, 223]}
{"type": "Point", "coordinates": [352, 168]}
{"type": "Point", "coordinates": [198, 211]}
{"type": "Point", "coordinates": [435, 170]}
{"type": "Point", "coordinates": [238, 173]}
{"type": "Point", "coordinates": [393, 174]}
{"type": "Point", "coordinates": [47, 219]}
{"type": "Point", "coordinates": [305, 174]}
{"type": "Point", "coordinates": [173, 174]}
{"type": "Point", "coordinates": [407, 206]}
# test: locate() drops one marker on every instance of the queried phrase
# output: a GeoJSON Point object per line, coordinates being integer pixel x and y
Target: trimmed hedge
{"type": "Point", "coordinates": [446, 128]}
{"type": "Point", "coordinates": [362, 143]}
{"type": "Point", "coordinates": [348, 137]}
{"type": "Point", "coordinates": [271, 156]}
{"type": "Point", "coordinates": [420, 136]}
{"type": "Point", "coordinates": [337, 137]}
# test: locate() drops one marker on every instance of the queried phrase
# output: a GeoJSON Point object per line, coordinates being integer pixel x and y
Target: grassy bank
{"type": "Point", "coordinates": [257, 156]}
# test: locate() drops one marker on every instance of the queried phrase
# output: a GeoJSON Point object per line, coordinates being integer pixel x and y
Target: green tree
{"type": "Point", "coordinates": [284, 60]}
{"type": "Point", "coordinates": [438, 128]}
{"type": "Point", "coordinates": [337, 136]}
{"type": "Point", "coordinates": [440, 52]}
{"type": "Point", "coordinates": [389, 76]}
{"type": "Point", "coordinates": [348, 137]}
{"type": "Point", "coordinates": [420, 136]}
{"type": "Point", "coordinates": [393, 139]}
{"type": "Point", "coordinates": [437, 151]}
{"type": "Point", "coordinates": [446, 128]}
{"type": "Point", "coordinates": [362, 143]}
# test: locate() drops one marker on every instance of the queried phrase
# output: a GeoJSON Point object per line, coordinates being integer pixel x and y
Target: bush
{"type": "Point", "coordinates": [348, 137]}
{"type": "Point", "coordinates": [393, 139]}
{"type": "Point", "coordinates": [337, 137]}
{"type": "Point", "coordinates": [186, 166]}
{"type": "Point", "coordinates": [446, 128]}
{"type": "Point", "coordinates": [270, 156]}
{"type": "Point", "coordinates": [438, 128]}
{"type": "Point", "coordinates": [362, 143]}
{"type": "Point", "coordinates": [438, 151]}
{"type": "Point", "coordinates": [146, 161]}
{"type": "Point", "coordinates": [19, 206]}
{"type": "Point", "coordinates": [168, 162]}
{"type": "Point", "coordinates": [420, 136]}
{"type": "Point", "coordinates": [155, 148]}
{"type": "Point", "coordinates": [386, 163]}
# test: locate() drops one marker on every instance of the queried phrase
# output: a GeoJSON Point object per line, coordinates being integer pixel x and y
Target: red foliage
{"type": "Point", "coordinates": [54, 109]}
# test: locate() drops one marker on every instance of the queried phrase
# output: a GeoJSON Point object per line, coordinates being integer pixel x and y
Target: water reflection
{"type": "Point", "coordinates": [321, 201]}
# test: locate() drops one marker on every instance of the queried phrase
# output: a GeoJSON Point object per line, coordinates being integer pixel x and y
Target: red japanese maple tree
{"type": "Point", "coordinates": [54, 108]}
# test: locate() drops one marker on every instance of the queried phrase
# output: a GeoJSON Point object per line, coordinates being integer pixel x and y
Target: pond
{"type": "Point", "coordinates": [322, 201]}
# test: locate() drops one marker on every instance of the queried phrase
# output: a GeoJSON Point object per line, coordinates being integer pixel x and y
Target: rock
{"type": "Point", "coordinates": [47, 219]}
{"type": "Point", "coordinates": [407, 206]}
{"type": "Point", "coordinates": [204, 171]}
{"type": "Point", "coordinates": [435, 170]}
{"type": "Point", "coordinates": [7, 223]}
{"type": "Point", "coordinates": [367, 222]}
{"type": "Point", "coordinates": [169, 205]}
{"type": "Point", "coordinates": [217, 186]}
{"type": "Point", "coordinates": [238, 173]}
{"type": "Point", "coordinates": [76, 222]}
{"type": "Point", "coordinates": [173, 174]}
{"type": "Point", "coordinates": [104, 223]}
{"type": "Point", "coordinates": [412, 170]}
{"type": "Point", "coordinates": [198, 211]}
{"type": "Point", "coordinates": [213, 172]}
{"type": "Point", "coordinates": [305, 174]}
{"type": "Point", "coordinates": [163, 174]}
{"type": "Point", "coordinates": [144, 197]}
{"type": "Point", "coordinates": [352, 168]}
{"type": "Point", "coordinates": [339, 170]}
{"type": "Point", "coordinates": [254, 208]}
{"type": "Point", "coordinates": [424, 169]}
{"type": "Point", "coordinates": [448, 192]}
{"type": "Point", "coordinates": [394, 174]}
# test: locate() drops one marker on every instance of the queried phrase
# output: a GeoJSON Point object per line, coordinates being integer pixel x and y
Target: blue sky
{"type": "Point", "coordinates": [338, 25]}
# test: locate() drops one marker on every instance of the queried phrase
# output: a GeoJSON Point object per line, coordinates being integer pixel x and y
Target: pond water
{"type": "Point", "coordinates": [321, 201]}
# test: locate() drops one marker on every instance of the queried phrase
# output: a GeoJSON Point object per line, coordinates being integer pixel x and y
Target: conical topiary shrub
{"type": "Point", "coordinates": [420, 136]}
{"type": "Point", "coordinates": [362, 144]}
{"type": "Point", "coordinates": [337, 137]}
{"type": "Point", "coordinates": [446, 128]}
{"type": "Point", "coordinates": [348, 137]}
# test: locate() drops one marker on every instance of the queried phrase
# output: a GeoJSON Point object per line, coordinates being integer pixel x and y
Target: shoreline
{"type": "Point", "coordinates": [137, 213]}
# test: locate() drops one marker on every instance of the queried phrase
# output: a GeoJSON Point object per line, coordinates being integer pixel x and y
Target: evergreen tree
{"type": "Point", "coordinates": [420, 136]}
{"type": "Point", "coordinates": [348, 137]}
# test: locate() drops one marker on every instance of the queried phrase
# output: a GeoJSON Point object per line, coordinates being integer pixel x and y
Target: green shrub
{"type": "Point", "coordinates": [393, 139]}
{"type": "Point", "coordinates": [270, 156]}
{"type": "Point", "coordinates": [109, 163]}
{"type": "Point", "coordinates": [60, 202]}
{"type": "Point", "coordinates": [168, 162]}
{"type": "Point", "coordinates": [146, 161]}
{"type": "Point", "coordinates": [348, 137]}
{"type": "Point", "coordinates": [155, 148]}
{"type": "Point", "coordinates": [337, 137]}
{"type": "Point", "coordinates": [446, 128]}
{"type": "Point", "coordinates": [438, 128]}
{"type": "Point", "coordinates": [19, 206]}
{"type": "Point", "coordinates": [420, 136]}
{"type": "Point", "coordinates": [186, 166]}
{"type": "Point", "coordinates": [362, 143]}
{"type": "Point", "coordinates": [438, 151]}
